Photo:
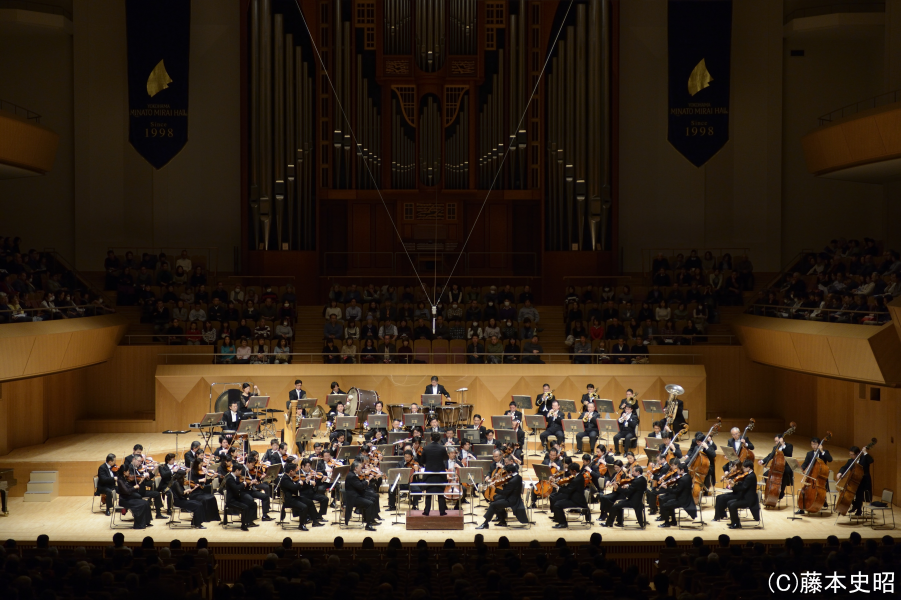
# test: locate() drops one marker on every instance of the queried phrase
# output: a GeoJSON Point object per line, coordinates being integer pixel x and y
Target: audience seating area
{"type": "Point", "coordinates": [35, 286]}
{"type": "Point", "coordinates": [846, 282]}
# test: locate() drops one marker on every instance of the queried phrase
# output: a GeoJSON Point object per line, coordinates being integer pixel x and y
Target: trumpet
{"type": "Point", "coordinates": [587, 417]}
{"type": "Point", "coordinates": [553, 414]}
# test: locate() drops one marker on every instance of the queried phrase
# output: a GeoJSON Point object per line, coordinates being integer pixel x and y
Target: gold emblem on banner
{"type": "Point", "coordinates": [699, 79]}
{"type": "Point", "coordinates": [159, 80]}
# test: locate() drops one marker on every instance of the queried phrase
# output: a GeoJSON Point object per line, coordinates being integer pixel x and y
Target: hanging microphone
{"type": "Point", "coordinates": [434, 312]}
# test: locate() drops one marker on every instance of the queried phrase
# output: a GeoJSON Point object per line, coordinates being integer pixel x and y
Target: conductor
{"type": "Point", "coordinates": [434, 458]}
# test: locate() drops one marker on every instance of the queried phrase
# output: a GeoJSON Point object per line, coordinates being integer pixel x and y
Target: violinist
{"type": "Point", "coordinates": [514, 412]}
{"type": "Point", "coordinates": [541, 400]}
{"type": "Point", "coordinates": [130, 497]}
{"type": "Point", "coordinates": [520, 438]}
{"type": "Point", "coordinates": [554, 424]}
{"type": "Point", "coordinates": [627, 424]}
{"type": "Point", "coordinates": [236, 496]}
{"type": "Point", "coordinates": [144, 480]}
{"type": "Point", "coordinates": [815, 453]}
{"type": "Point", "coordinates": [355, 498]}
{"type": "Point", "coordinates": [411, 464]}
{"type": "Point", "coordinates": [589, 417]}
{"type": "Point", "coordinates": [570, 495]}
{"type": "Point", "coordinates": [203, 507]}
{"type": "Point", "coordinates": [198, 475]}
{"type": "Point", "coordinates": [106, 481]}
{"type": "Point", "coordinates": [272, 455]}
{"type": "Point", "coordinates": [601, 464]}
{"type": "Point", "coordinates": [310, 492]}
{"type": "Point", "coordinates": [633, 497]}
{"type": "Point", "coordinates": [610, 498]}
{"type": "Point", "coordinates": [192, 454]}
{"type": "Point", "coordinates": [788, 476]}
{"type": "Point", "coordinates": [327, 465]}
{"type": "Point", "coordinates": [556, 464]}
{"type": "Point", "coordinates": [258, 490]}
{"type": "Point", "coordinates": [223, 449]}
{"type": "Point", "coordinates": [477, 424]}
{"type": "Point", "coordinates": [337, 443]}
{"type": "Point", "coordinates": [227, 462]}
{"type": "Point", "coordinates": [737, 443]}
{"type": "Point", "coordinates": [865, 487]}
{"type": "Point", "coordinates": [678, 496]}
{"type": "Point", "coordinates": [289, 485]}
{"type": "Point", "coordinates": [660, 469]}
{"type": "Point", "coordinates": [744, 495]}
{"type": "Point", "coordinates": [165, 473]}
{"type": "Point", "coordinates": [509, 496]}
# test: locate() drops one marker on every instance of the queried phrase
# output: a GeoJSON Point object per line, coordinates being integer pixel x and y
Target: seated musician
{"type": "Point", "coordinates": [633, 498]}
{"type": "Point", "coordinates": [145, 481]}
{"type": "Point", "coordinates": [379, 411]}
{"type": "Point", "coordinates": [571, 495]}
{"type": "Point", "coordinates": [627, 424]}
{"type": "Point", "coordinates": [106, 482]}
{"type": "Point", "coordinates": [589, 395]}
{"type": "Point", "coordinates": [509, 496]}
{"type": "Point", "coordinates": [237, 497]}
{"type": "Point", "coordinates": [337, 442]}
{"type": "Point", "coordinates": [336, 389]}
{"type": "Point", "coordinates": [433, 426]}
{"type": "Point", "coordinates": [477, 424]}
{"type": "Point", "coordinates": [258, 490]}
{"type": "Point", "coordinates": [552, 460]}
{"type": "Point", "coordinates": [815, 452]}
{"type": "Point", "coordinates": [193, 453]}
{"type": "Point", "coordinates": [414, 408]}
{"type": "Point", "coordinates": [679, 495]}
{"type": "Point", "coordinates": [788, 476]}
{"type": "Point", "coordinates": [554, 424]}
{"type": "Point", "coordinates": [224, 446]}
{"type": "Point", "coordinates": [609, 498]}
{"type": "Point", "coordinates": [311, 492]}
{"type": "Point", "coordinates": [744, 495]}
{"type": "Point", "coordinates": [489, 438]}
{"type": "Point", "coordinates": [657, 472]}
{"type": "Point", "coordinates": [520, 437]}
{"type": "Point", "coordinates": [514, 411]}
{"type": "Point", "coordinates": [378, 438]}
{"type": "Point", "coordinates": [129, 492]}
{"type": "Point", "coordinates": [453, 463]}
{"type": "Point", "coordinates": [589, 417]}
{"type": "Point", "coordinates": [449, 439]}
{"type": "Point", "coordinates": [231, 417]}
{"type": "Point", "coordinates": [165, 472]}
{"type": "Point", "coordinates": [466, 454]}
{"type": "Point", "coordinates": [397, 426]}
{"type": "Point", "coordinates": [355, 498]}
{"type": "Point", "coordinates": [291, 500]}
{"type": "Point", "coordinates": [705, 444]}
{"type": "Point", "coordinates": [737, 443]}
{"type": "Point", "coordinates": [556, 446]}
{"type": "Point", "coordinates": [203, 507]}
{"type": "Point", "coordinates": [272, 455]}
{"type": "Point", "coordinates": [865, 487]}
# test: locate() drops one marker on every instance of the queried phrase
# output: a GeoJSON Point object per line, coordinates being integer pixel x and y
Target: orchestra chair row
{"type": "Point", "coordinates": [871, 511]}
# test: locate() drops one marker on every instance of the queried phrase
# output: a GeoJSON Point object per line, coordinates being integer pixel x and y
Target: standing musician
{"type": "Point", "coordinates": [589, 416]}
{"type": "Point", "coordinates": [247, 394]}
{"type": "Point", "coordinates": [130, 497]}
{"type": "Point", "coordinates": [355, 497]}
{"type": "Point", "coordinates": [436, 388]}
{"type": "Point", "coordinates": [296, 394]}
{"type": "Point", "coordinates": [106, 481]}
{"type": "Point", "coordinates": [679, 419]}
{"type": "Point", "coordinates": [435, 458]}
{"type": "Point", "coordinates": [258, 490]}
{"type": "Point", "coordinates": [865, 487]}
{"type": "Point", "coordinates": [311, 493]}
{"type": "Point", "coordinates": [571, 495]}
{"type": "Point", "coordinates": [589, 395]}
{"type": "Point", "coordinates": [706, 445]}
{"type": "Point", "coordinates": [542, 403]}
{"type": "Point", "coordinates": [633, 497]}
{"type": "Point", "coordinates": [627, 424]}
{"type": "Point", "coordinates": [554, 424]}
{"type": "Point", "coordinates": [815, 453]}
{"type": "Point", "coordinates": [514, 412]}
{"type": "Point", "coordinates": [552, 460]}
{"type": "Point", "coordinates": [477, 424]}
{"type": "Point", "coordinates": [203, 507]}
{"type": "Point", "coordinates": [679, 496]}
{"type": "Point", "coordinates": [192, 454]}
{"type": "Point", "coordinates": [736, 443]}
{"type": "Point", "coordinates": [788, 476]}
{"type": "Point", "coordinates": [744, 495]}
{"type": "Point", "coordinates": [509, 496]}
{"type": "Point", "coordinates": [237, 498]}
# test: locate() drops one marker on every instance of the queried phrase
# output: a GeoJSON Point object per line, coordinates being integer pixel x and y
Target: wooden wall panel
{"type": "Point", "coordinates": [24, 412]}
{"type": "Point", "coordinates": [835, 410]}
{"type": "Point", "coordinates": [866, 137]}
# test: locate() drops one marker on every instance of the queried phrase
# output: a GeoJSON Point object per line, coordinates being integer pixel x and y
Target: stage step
{"type": "Point", "coordinates": [43, 486]}
{"type": "Point", "coordinates": [417, 521]}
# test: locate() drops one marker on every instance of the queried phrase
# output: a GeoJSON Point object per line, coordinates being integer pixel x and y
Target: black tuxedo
{"type": "Point", "coordinates": [132, 499]}
{"type": "Point", "coordinates": [633, 497]}
{"type": "Point", "coordinates": [299, 507]}
{"type": "Point", "coordinates": [190, 456]}
{"type": "Point", "coordinates": [434, 459]}
{"type": "Point", "coordinates": [626, 433]}
{"type": "Point", "coordinates": [591, 430]}
{"type": "Point", "coordinates": [731, 443]}
{"type": "Point", "coordinates": [554, 428]}
{"type": "Point", "coordinates": [679, 419]}
{"type": "Point", "coordinates": [572, 495]}
{"type": "Point", "coordinates": [788, 476]}
{"type": "Point", "coordinates": [440, 390]}
{"type": "Point", "coordinates": [238, 498]}
{"type": "Point", "coordinates": [824, 454]}
{"type": "Point", "coordinates": [106, 483]}
{"type": "Point", "coordinates": [293, 395]}
{"type": "Point", "coordinates": [231, 420]}
{"type": "Point", "coordinates": [509, 496]}
{"type": "Point", "coordinates": [680, 496]}
{"type": "Point", "coordinates": [744, 495]}
{"type": "Point", "coordinates": [517, 415]}
{"type": "Point", "coordinates": [355, 497]}
{"type": "Point", "coordinates": [541, 406]}
{"type": "Point", "coordinates": [865, 487]}
{"type": "Point", "coordinates": [483, 436]}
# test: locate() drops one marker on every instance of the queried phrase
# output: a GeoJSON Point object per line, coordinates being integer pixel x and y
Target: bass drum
{"type": "Point", "coordinates": [360, 402]}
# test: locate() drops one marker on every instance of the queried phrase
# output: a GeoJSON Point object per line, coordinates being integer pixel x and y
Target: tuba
{"type": "Point", "coordinates": [671, 407]}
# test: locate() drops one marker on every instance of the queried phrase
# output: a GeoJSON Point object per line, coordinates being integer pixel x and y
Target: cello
{"type": "Point", "coordinates": [776, 473]}
{"type": "Point", "coordinates": [699, 465]}
{"type": "Point", "coordinates": [744, 453]}
{"type": "Point", "coordinates": [849, 482]}
{"type": "Point", "coordinates": [813, 493]}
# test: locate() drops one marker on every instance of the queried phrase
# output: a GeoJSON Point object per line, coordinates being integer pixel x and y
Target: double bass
{"type": "Point", "coordinates": [849, 482]}
{"type": "Point", "coordinates": [699, 465]}
{"type": "Point", "coordinates": [813, 493]}
{"type": "Point", "coordinates": [776, 473]}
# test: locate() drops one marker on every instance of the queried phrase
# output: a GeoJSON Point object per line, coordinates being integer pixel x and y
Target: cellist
{"type": "Point", "coordinates": [737, 443]}
{"type": "Point", "coordinates": [788, 476]}
{"type": "Point", "coordinates": [705, 444]}
{"type": "Point", "coordinates": [815, 453]}
{"type": "Point", "coordinates": [551, 461]}
{"type": "Point", "coordinates": [865, 487]}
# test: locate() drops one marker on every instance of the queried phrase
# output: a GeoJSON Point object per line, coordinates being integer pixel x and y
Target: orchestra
{"type": "Point", "coordinates": [608, 477]}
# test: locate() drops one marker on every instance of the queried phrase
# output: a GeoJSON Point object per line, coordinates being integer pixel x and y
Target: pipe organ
{"type": "Point", "coordinates": [399, 103]}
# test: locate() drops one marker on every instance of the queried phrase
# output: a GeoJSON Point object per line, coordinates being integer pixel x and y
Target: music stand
{"type": "Point", "coordinates": [522, 402]}
{"type": "Point", "coordinates": [604, 406]}
{"type": "Point", "coordinates": [414, 420]}
{"type": "Point", "coordinates": [568, 406]}
{"type": "Point", "coordinates": [396, 436]}
{"type": "Point", "coordinates": [338, 473]}
{"type": "Point", "coordinates": [654, 443]}
{"type": "Point", "coordinates": [502, 422]}
{"type": "Point", "coordinates": [471, 475]}
{"type": "Point", "coordinates": [176, 434]}
{"type": "Point", "coordinates": [573, 426]}
{"type": "Point", "coordinates": [432, 401]}
{"type": "Point", "coordinates": [314, 423]}
{"type": "Point", "coordinates": [272, 472]}
{"type": "Point", "coordinates": [397, 477]}
{"type": "Point", "coordinates": [387, 450]}
{"type": "Point", "coordinates": [210, 421]}
{"type": "Point", "coordinates": [484, 449]}
{"type": "Point", "coordinates": [302, 436]}
{"type": "Point", "coordinates": [333, 399]}
{"type": "Point", "coordinates": [505, 436]}
{"type": "Point", "coordinates": [652, 406]}
{"type": "Point", "coordinates": [651, 453]}
{"type": "Point", "coordinates": [795, 466]}
{"type": "Point", "coordinates": [605, 426]}
{"type": "Point", "coordinates": [473, 435]}
{"type": "Point", "coordinates": [347, 453]}
{"type": "Point", "coordinates": [307, 403]}
{"type": "Point", "coordinates": [378, 421]}
{"type": "Point", "coordinates": [255, 403]}
{"type": "Point", "coordinates": [536, 424]}
{"type": "Point", "coordinates": [345, 424]}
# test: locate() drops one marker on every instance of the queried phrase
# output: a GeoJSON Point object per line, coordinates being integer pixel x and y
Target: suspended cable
{"type": "Point", "coordinates": [510, 145]}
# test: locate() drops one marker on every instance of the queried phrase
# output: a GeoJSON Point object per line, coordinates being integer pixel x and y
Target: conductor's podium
{"type": "Point", "coordinates": [435, 522]}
